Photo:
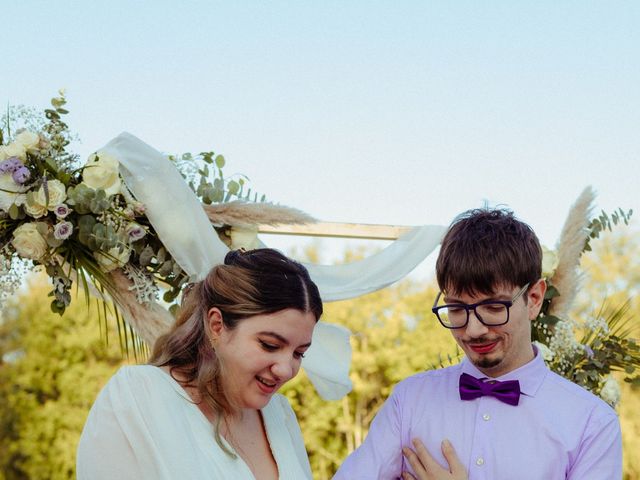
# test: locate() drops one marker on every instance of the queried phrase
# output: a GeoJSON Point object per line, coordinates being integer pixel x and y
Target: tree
{"type": "Point", "coordinates": [613, 277]}
{"type": "Point", "coordinates": [53, 367]}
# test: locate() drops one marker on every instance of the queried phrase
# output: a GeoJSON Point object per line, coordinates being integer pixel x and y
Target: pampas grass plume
{"type": "Point", "coordinates": [572, 240]}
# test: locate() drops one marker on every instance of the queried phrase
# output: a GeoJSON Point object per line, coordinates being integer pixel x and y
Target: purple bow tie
{"type": "Point", "coordinates": [472, 388]}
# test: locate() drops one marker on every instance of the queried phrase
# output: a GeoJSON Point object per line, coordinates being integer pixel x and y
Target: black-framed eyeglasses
{"type": "Point", "coordinates": [491, 313]}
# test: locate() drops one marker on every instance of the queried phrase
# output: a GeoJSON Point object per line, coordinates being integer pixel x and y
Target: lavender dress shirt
{"type": "Point", "coordinates": [558, 431]}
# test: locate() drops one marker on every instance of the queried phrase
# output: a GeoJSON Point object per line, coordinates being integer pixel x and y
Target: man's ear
{"type": "Point", "coordinates": [535, 297]}
{"type": "Point", "coordinates": [215, 323]}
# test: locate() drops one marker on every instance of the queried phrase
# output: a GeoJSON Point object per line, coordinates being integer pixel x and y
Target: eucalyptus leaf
{"type": "Point", "coordinates": [53, 242]}
{"type": "Point", "coordinates": [233, 187]}
{"type": "Point", "coordinates": [146, 256]}
{"type": "Point", "coordinates": [176, 269]}
{"type": "Point", "coordinates": [14, 211]}
{"type": "Point", "coordinates": [165, 269]}
{"type": "Point", "coordinates": [168, 296]}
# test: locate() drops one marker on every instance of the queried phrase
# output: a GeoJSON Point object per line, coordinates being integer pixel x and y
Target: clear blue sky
{"type": "Point", "coordinates": [402, 112]}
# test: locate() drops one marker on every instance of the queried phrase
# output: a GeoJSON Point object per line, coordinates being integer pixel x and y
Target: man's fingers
{"type": "Point", "coordinates": [455, 465]}
{"type": "Point", "coordinates": [415, 463]}
{"type": "Point", "coordinates": [426, 467]}
{"type": "Point", "coordinates": [425, 457]}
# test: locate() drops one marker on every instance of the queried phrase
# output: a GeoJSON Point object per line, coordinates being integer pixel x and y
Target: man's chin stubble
{"type": "Point", "coordinates": [487, 363]}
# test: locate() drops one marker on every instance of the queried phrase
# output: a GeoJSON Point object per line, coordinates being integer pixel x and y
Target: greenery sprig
{"type": "Point", "coordinates": [587, 351]}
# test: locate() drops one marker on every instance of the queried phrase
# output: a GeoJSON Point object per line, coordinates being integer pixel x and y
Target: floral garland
{"type": "Point", "coordinates": [80, 221]}
{"type": "Point", "coordinates": [586, 351]}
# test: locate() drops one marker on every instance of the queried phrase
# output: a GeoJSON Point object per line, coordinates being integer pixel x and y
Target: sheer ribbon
{"type": "Point", "coordinates": [182, 225]}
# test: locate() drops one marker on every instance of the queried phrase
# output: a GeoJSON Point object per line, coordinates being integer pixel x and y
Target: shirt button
{"type": "Point", "coordinates": [486, 417]}
{"type": "Point", "coordinates": [480, 461]}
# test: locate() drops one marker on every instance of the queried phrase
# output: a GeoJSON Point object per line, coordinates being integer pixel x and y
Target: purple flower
{"type": "Point", "coordinates": [10, 165]}
{"type": "Point", "coordinates": [63, 230]}
{"type": "Point", "coordinates": [61, 210]}
{"type": "Point", "coordinates": [135, 232]}
{"type": "Point", "coordinates": [588, 350]}
{"type": "Point", "coordinates": [21, 175]}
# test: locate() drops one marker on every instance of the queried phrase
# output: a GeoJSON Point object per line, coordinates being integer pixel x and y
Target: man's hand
{"type": "Point", "coordinates": [425, 466]}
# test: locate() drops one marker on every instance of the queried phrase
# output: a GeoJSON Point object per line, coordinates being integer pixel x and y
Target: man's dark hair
{"type": "Point", "coordinates": [487, 248]}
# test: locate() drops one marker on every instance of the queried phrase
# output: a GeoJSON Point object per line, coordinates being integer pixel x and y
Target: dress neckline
{"type": "Point", "coordinates": [265, 424]}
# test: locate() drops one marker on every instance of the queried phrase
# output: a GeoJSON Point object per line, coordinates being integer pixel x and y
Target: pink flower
{"type": "Point", "coordinates": [61, 210]}
{"type": "Point", "coordinates": [63, 230]}
{"type": "Point", "coordinates": [135, 232]}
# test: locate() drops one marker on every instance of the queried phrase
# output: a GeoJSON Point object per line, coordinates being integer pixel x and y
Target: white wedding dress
{"type": "Point", "coordinates": [143, 425]}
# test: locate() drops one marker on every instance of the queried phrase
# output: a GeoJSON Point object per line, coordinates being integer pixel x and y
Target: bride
{"type": "Point", "coordinates": [206, 404]}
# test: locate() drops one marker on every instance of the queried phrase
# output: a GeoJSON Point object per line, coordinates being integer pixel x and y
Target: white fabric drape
{"type": "Point", "coordinates": [171, 206]}
{"type": "Point", "coordinates": [339, 282]}
{"type": "Point", "coordinates": [180, 222]}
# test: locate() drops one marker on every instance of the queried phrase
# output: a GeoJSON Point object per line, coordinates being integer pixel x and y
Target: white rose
{"type": "Point", "coordinates": [549, 262]}
{"type": "Point", "coordinates": [57, 194]}
{"type": "Point", "coordinates": [28, 242]}
{"type": "Point", "coordinates": [29, 140]}
{"type": "Point", "coordinates": [35, 210]}
{"type": "Point", "coordinates": [101, 172]}
{"type": "Point", "coordinates": [610, 392]}
{"type": "Point", "coordinates": [14, 149]}
{"type": "Point", "coordinates": [10, 192]}
{"type": "Point", "coordinates": [112, 259]}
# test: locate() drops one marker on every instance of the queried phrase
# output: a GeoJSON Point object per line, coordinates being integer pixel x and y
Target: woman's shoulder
{"type": "Point", "coordinates": [136, 376]}
{"type": "Point", "coordinates": [137, 382]}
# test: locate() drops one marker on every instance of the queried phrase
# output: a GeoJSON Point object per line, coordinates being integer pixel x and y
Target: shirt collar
{"type": "Point", "coordinates": [530, 375]}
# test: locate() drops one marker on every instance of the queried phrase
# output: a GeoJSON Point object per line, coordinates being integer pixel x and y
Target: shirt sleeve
{"type": "Point", "coordinates": [115, 442]}
{"type": "Point", "coordinates": [600, 453]}
{"type": "Point", "coordinates": [380, 455]}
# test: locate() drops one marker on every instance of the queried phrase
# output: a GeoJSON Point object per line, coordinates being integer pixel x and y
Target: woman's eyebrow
{"type": "Point", "coordinates": [280, 338]}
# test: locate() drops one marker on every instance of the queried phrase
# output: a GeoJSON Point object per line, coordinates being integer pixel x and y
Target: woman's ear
{"type": "Point", "coordinates": [535, 297]}
{"type": "Point", "coordinates": [215, 323]}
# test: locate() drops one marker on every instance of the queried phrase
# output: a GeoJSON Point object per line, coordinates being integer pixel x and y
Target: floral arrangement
{"type": "Point", "coordinates": [80, 222]}
{"type": "Point", "coordinates": [586, 351]}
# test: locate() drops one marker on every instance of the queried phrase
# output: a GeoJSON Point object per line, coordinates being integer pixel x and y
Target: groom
{"type": "Point", "coordinates": [500, 414]}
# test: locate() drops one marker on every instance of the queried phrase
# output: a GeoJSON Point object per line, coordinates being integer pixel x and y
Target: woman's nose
{"type": "Point", "coordinates": [285, 369]}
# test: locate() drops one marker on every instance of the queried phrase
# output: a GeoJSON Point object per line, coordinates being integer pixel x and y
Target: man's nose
{"type": "Point", "coordinates": [475, 328]}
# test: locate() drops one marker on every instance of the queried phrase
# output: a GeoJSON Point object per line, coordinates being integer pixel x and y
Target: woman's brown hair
{"type": "Point", "coordinates": [249, 283]}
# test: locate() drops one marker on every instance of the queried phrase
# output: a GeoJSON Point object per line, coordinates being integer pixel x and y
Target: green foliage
{"type": "Point", "coordinates": [204, 175]}
{"type": "Point", "coordinates": [606, 344]}
{"type": "Point", "coordinates": [51, 371]}
{"type": "Point", "coordinates": [605, 222]}
{"type": "Point", "coordinates": [610, 349]}
{"type": "Point", "coordinates": [87, 200]}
